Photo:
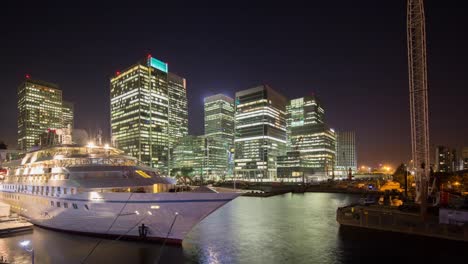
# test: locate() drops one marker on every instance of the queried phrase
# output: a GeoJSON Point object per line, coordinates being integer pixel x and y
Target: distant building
{"type": "Point", "coordinates": [40, 108]}
{"type": "Point", "coordinates": [311, 141]}
{"type": "Point", "coordinates": [260, 132]}
{"type": "Point", "coordinates": [140, 112]}
{"type": "Point", "coordinates": [346, 156]}
{"type": "Point", "coordinates": [68, 110]}
{"type": "Point", "coordinates": [445, 159]}
{"type": "Point", "coordinates": [219, 124]}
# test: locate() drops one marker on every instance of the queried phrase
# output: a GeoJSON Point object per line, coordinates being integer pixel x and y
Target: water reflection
{"type": "Point", "coordinates": [291, 228]}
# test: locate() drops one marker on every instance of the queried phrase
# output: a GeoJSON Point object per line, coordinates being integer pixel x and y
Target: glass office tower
{"type": "Point", "coordinates": [39, 108]}
{"type": "Point", "coordinates": [140, 112]}
{"type": "Point", "coordinates": [260, 132]}
{"type": "Point", "coordinates": [311, 142]}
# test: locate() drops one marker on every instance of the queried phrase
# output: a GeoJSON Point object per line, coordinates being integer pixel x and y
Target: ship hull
{"type": "Point", "coordinates": [165, 216]}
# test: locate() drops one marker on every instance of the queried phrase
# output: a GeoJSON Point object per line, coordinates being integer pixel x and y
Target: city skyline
{"type": "Point", "coordinates": [347, 95]}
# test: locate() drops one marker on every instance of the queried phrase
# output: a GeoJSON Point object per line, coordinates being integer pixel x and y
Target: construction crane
{"type": "Point", "coordinates": [416, 34]}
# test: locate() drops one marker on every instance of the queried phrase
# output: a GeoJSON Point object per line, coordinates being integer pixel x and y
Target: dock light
{"type": "Point", "coordinates": [106, 146]}
{"type": "Point", "coordinates": [155, 207]}
{"type": "Point", "coordinates": [136, 212]}
{"type": "Point", "coordinates": [176, 213]}
{"type": "Point", "coordinates": [150, 213]}
{"type": "Point", "coordinates": [90, 144]}
{"type": "Point", "coordinates": [25, 243]}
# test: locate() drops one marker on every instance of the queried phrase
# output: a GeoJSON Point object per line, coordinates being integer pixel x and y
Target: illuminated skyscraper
{"type": "Point", "coordinates": [260, 132]}
{"type": "Point", "coordinates": [68, 109]}
{"type": "Point", "coordinates": [311, 142]}
{"type": "Point", "coordinates": [140, 112]}
{"type": "Point", "coordinates": [40, 108]}
{"type": "Point", "coordinates": [219, 130]}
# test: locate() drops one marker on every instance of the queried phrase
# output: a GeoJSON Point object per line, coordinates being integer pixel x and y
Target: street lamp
{"type": "Point", "coordinates": [25, 245]}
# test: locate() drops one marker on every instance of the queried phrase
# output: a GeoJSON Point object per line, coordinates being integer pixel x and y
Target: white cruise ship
{"type": "Point", "coordinates": [98, 190]}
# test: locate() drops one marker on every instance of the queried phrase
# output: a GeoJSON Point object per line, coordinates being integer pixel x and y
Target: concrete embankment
{"type": "Point", "coordinates": [10, 226]}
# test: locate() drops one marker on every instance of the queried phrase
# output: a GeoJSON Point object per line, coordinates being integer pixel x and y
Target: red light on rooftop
{"type": "Point", "coordinates": [28, 76]}
{"type": "Point", "coordinates": [148, 56]}
{"type": "Point", "coordinates": [117, 73]}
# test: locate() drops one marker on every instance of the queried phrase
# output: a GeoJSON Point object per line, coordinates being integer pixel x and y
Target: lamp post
{"type": "Point", "coordinates": [25, 245]}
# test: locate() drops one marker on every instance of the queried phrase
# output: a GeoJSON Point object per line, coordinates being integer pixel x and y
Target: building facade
{"type": "Point", "coordinates": [140, 112]}
{"type": "Point", "coordinates": [68, 109]}
{"type": "Point", "coordinates": [39, 108]}
{"type": "Point", "coordinates": [219, 128]}
{"type": "Point", "coordinates": [346, 152]}
{"type": "Point", "coordinates": [260, 132]}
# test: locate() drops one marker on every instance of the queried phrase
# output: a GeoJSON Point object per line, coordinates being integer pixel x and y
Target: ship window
{"type": "Point", "coordinates": [58, 204]}
{"type": "Point", "coordinates": [75, 206]}
{"type": "Point", "coordinates": [52, 203]}
{"type": "Point", "coordinates": [65, 205]}
{"type": "Point", "coordinates": [86, 206]}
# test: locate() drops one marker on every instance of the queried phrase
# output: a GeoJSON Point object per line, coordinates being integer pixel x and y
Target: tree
{"type": "Point", "coordinates": [3, 145]}
{"type": "Point", "coordinates": [400, 174]}
{"type": "Point", "coordinates": [183, 174]}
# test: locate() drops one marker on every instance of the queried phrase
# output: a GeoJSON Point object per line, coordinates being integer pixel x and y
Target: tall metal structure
{"type": "Point", "coordinates": [418, 96]}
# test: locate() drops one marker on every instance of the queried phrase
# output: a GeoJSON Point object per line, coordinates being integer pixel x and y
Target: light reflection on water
{"type": "Point", "coordinates": [291, 228]}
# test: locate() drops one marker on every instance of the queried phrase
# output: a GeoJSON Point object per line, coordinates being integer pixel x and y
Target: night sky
{"type": "Point", "coordinates": [351, 54]}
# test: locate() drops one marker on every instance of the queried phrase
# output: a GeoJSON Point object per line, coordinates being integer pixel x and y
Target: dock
{"type": "Point", "coordinates": [11, 226]}
{"type": "Point", "coordinates": [386, 218]}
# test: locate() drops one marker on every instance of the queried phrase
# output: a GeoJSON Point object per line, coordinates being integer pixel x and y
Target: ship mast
{"type": "Point", "coordinates": [418, 97]}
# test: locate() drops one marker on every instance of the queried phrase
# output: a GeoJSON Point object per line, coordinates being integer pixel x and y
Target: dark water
{"type": "Point", "coordinates": [292, 228]}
